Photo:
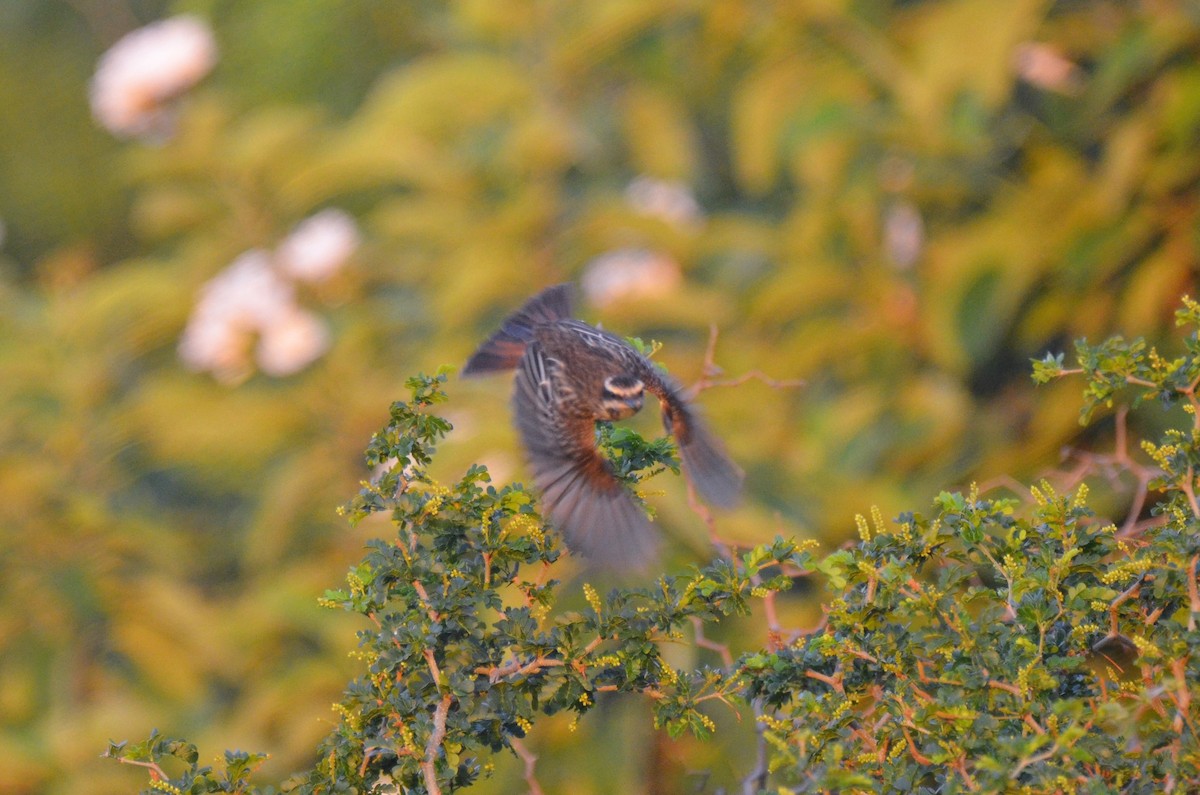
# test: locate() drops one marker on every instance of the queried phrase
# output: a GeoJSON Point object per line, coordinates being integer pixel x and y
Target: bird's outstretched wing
{"type": "Point", "coordinates": [503, 349]}
{"type": "Point", "coordinates": [705, 461]}
{"type": "Point", "coordinates": [579, 491]}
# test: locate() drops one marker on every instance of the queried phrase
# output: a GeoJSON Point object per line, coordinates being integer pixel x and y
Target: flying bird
{"type": "Point", "coordinates": [569, 376]}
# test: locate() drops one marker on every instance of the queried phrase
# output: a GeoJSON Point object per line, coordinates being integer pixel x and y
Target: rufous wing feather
{"type": "Point", "coordinates": [580, 494]}
{"type": "Point", "coordinates": [705, 461]}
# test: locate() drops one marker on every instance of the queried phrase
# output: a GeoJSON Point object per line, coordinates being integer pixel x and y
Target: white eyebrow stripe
{"type": "Point", "coordinates": [634, 389]}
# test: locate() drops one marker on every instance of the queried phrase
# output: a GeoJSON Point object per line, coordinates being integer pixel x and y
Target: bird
{"type": "Point", "coordinates": [569, 376]}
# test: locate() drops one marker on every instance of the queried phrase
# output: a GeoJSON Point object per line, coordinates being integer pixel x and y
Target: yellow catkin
{"type": "Point", "coordinates": [877, 520]}
{"type": "Point", "coordinates": [864, 531]}
{"type": "Point", "coordinates": [592, 597]}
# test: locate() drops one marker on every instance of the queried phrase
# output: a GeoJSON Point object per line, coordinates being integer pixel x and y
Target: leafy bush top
{"type": "Point", "coordinates": [992, 645]}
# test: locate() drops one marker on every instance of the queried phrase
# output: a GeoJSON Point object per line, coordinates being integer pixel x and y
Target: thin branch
{"type": "Point", "coordinates": [434, 746]}
{"type": "Point", "coordinates": [711, 369]}
{"type": "Point", "coordinates": [434, 671]}
{"type": "Point", "coordinates": [420, 589]}
{"type": "Point", "coordinates": [833, 681]}
{"type": "Point", "coordinates": [1005, 686]}
{"type": "Point", "coordinates": [1193, 593]}
{"type": "Point", "coordinates": [1110, 465]}
{"type": "Point", "coordinates": [705, 643]}
{"type": "Point", "coordinates": [156, 772]}
{"type": "Point", "coordinates": [496, 673]}
{"type": "Point", "coordinates": [530, 760]}
{"type": "Point", "coordinates": [756, 780]}
{"type": "Point", "coordinates": [1189, 489]}
{"type": "Point", "coordinates": [917, 756]}
{"type": "Point", "coordinates": [1126, 595]}
{"type": "Point", "coordinates": [751, 375]}
{"type": "Point", "coordinates": [1033, 760]}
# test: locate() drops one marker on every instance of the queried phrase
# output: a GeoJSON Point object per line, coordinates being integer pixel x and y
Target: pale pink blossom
{"type": "Point", "coordinates": [630, 273]}
{"type": "Point", "coordinates": [211, 343]}
{"type": "Point", "coordinates": [1044, 66]}
{"type": "Point", "coordinates": [139, 76]}
{"type": "Point", "coordinates": [319, 246]}
{"type": "Point", "coordinates": [239, 302]}
{"type": "Point", "coordinates": [291, 343]}
{"type": "Point", "coordinates": [903, 234]}
{"type": "Point", "coordinates": [667, 200]}
{"type": "Point", "coordinates": [249, 291]}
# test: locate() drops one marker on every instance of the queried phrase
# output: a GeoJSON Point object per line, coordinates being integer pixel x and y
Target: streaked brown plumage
{"type": "Point", "coordinates": [569, 376]}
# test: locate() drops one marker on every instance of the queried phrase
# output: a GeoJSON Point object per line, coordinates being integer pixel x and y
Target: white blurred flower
{"type": "Point", "coordinates": [243, 300]}
{"type": "Point", "coordinates": [1044, 66]}
{"type": "Point", "coordinates": [630, 273]}
{"type": "Point", "coordinates": [670, 201]}
{"type": "Point", "coordinates": [249, 292]}
{"type": "Point", "coordinates": [319, 246]}
{"type": "Point", "coordinates": [137, 77]}
{"type": "Point", "coordinates": [903, 234]}
{"type": "Point", "coordinates": [212, 343]}
{"type": "Point", "coordinates": [292, 342]}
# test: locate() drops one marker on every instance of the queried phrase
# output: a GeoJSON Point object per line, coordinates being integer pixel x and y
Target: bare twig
{"type": "Point", "coordinates": [421, 592]}
{"type": "Point", "coordinates": [156, 772]}
{"type": "Point", "coordinates": [1122, 598]}
{"type": "Point", "coordinates": [1189, 489]}
{"type": "Point", "coordinates": [834, 681]}
{"type": "Point", "coordinates": [1109, 465]}
{"type": "Point", "coordinates": [1193, 593]}
{"type": "Point", "coordinates": [496, 673]}
{"type": "Point", "coordinates": [711, 370]}
{"type": "Point", "coordinates": [1005, 686]}
{"type": "Point", "coordinates": [530, 760]}
{"type": "Point", "coordinates": [705, 643]}
{"type": "Point", "coordinates": [756, 780]}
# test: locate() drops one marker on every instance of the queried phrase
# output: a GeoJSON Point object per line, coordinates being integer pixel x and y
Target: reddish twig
{"type": "Point", "coordinates": [1109, 465]}
{"type": "Point", "coordinates": [711, 369]}
{"type": "Point", "coordinates": [434, 746]}
{"type": "Point", "coordinates": [496, 673]}
{"type": "Point", "coordinates": [530, 760]}
{"type": "Point", "coordinates": [1193, 593]}
{"type": "Point", "coordinates": [705, 643]}
{"type": "Point", "coordinates": [156, 772]}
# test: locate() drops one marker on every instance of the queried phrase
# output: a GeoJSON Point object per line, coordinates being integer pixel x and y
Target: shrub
{"type": "Point", "coordinates": [992, 645]}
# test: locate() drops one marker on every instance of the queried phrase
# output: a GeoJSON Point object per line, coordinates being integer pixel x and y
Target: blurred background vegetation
{"type": "Point", "coordinates": [898, 202]}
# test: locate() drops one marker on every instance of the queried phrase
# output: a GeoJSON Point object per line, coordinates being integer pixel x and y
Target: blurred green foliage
{"type": "Point", "coordinates": [899, 209]}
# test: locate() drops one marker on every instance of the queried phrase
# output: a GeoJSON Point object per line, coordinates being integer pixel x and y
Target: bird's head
{"type": "Point", "coordinates": [622, 397]}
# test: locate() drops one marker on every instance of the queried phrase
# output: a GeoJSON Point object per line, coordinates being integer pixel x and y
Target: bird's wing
{"type": "Point", "coordinates": [708, 466]}
{"type": "Point", "coordinates": [579, 491]}
{"type": "Point", "coordinates": [503, 349]}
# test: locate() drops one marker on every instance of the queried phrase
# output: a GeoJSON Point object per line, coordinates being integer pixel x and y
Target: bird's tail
{"type": "Point", "coordinates": [503, 349]}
